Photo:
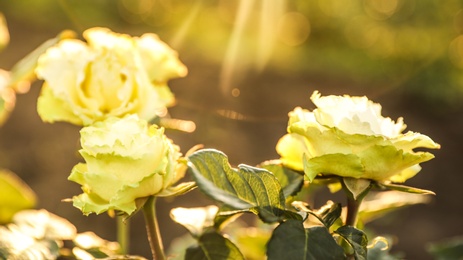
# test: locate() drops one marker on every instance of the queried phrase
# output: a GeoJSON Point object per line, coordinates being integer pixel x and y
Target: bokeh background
{"type": "Point", "coordinates": [250, 63]}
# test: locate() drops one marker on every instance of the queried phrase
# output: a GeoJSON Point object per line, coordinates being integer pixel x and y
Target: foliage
{"type": "Point", "coordinates": [448, 249]}
{"type": "Point", "coordinates": [115, 87]}
{"type": "Point", "coordinates": [15, 196]}
{"type": "Point", "coordinates": [39, 234]}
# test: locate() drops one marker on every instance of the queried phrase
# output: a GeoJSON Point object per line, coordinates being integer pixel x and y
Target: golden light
{"type": "Point", "coordinates": [178, 124]}
{"type": "Point", "coordinates": [294, 28]}
{"type": "Point", "coordinates": [458, 21]}
{"type": "Point", "coordinates": [415, 42]}
{"type": "Point", "coordinates": [385, 46]}
{"type": "Point", "coordinates": [361, 32]}
{"type": "Point", "coordinates": [235, 92]}
{"type": "Point", "coordinates": [138, 7]}
{"type": "Point", "coordinates": [456, 51]}
{"type": "Point", "coordinates": [336, 8]}
{"type": "Point", "coordinates": [381, 9]}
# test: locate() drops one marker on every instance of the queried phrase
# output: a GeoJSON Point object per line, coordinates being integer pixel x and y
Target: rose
{"type": "Point", "coordinates": [125, 159]}
{"type": "Point", "coordinates": [110, 75]}
{"type": "Point", "coordinates": [347, 136]}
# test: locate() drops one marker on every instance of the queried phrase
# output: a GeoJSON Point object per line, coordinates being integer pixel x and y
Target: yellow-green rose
{"type": "Point", "coordinates": [109, 75]}
{"type": "Point", "coordinates": [347, 136]}
{"type": "Point", "coordinates": [125, 159]}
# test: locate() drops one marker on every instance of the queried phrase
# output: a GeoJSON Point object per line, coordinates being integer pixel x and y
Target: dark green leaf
{"type": "Point", "coordinates": [290, 180]}
{"type": "Point", "coordinates": [356, 239]}
{"type": "Point", "coordinates": [245, 188]}
{"type": "Point", "coordinates": [96, 253]}
{"type": "Point", "coordinates": [404, 188]}
{"type": "Point", "coordinates": [213, 246]}
{"type": "Point", "coordinates": [291, 241]}
{"type": "Point", "coordinates": [226, 215]}
{"type": "Point", "coordinates": [449, 249]}
{"type": "Point", "coordinates": [327, 214]}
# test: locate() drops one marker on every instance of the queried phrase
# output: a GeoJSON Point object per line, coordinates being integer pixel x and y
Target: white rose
{"type": "Point", "coordinates": [109, 75]}
{"type": "Point", "coordinates": [348, 137]}
{"type": "Point", "coordinates": [125, 159]}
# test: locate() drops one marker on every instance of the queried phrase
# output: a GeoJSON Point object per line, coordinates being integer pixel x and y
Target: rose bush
{"type": "Point", "coordinates": [348, 137]}
{"type": "Point", "coordinates": [109, 75]}
{"type": "Point", "coordinates": [125, 159]}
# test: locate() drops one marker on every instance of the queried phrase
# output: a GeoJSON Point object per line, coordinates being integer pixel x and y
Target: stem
{"type": "Point", "coordinates": [352, 210]}
{"type": "Point", "coordinates": [356, 190]}
{"type": "Point", "coordinates": [123, 234]}
{"type": "Point", "coordinates": [152, 229]}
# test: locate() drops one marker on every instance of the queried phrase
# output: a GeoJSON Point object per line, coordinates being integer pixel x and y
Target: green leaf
{"type": "Point", "coordinates": [291, 241]}
{"type": "Point", "coordinates": [404, 188]}
{"type": "Point", "coordinates": [380, 250]}
{"type": "Point", "coordinates": [4, 35]}
{"type": "Point", "coordinates": [213, 246]}
{"type": "Point", "coordinates": [226, 215]}
{"type": "Point", "coordinates": [90, 246]}
{"type": "Point", "coordinates": [356, 239]}
{"type": "Point", "coordinates": [330, 213]}
{"type": "Point", "coordinates": [13, 241]}
{"type": "Point", "coordinates": [252, 241]}
{"type": "Point", "coordinates": [24, 70]}
{"type": "Point", "coordinates": [448, 249]}
{"type": "Point", "coordinates": [180, 189]}
{"type": "Point", "coordinates": [15, 195]}
{"type": "Point", "coordinates": [43, 224]}
{"type": "Point", "coordinates": [290, 180]}
{"type": "Point", "coordinates": [179, 245]}
{"type": "Point", "coordinates": [327, 214]}
{"type": "Point", "coordinates": [378, 204]}
{"type": "Point", "coordinates": [245, 188]}
{"type": "Point", "coordinates": [357, 188]}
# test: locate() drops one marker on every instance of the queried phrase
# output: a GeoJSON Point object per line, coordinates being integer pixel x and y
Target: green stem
{"type": "Point", "coordinates": [152, 229]}
{"type": "Point", "coordinates": [123, 234]}
{"type": "Point", "coordinates": [356, 190]}
{"type": "Point", "coordinates": [353, 206]}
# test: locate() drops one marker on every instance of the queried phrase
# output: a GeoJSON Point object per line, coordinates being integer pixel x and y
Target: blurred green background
{"type": "Point", "coordinates": [250, 63]}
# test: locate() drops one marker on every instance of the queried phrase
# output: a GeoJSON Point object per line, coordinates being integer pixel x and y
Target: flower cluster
{"type": "Point", "coordinates": [113, 84]}
{"type": "Point", "coordinates": [109, 75]}
{"type": "Point", "coordinates": [348, 137]}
